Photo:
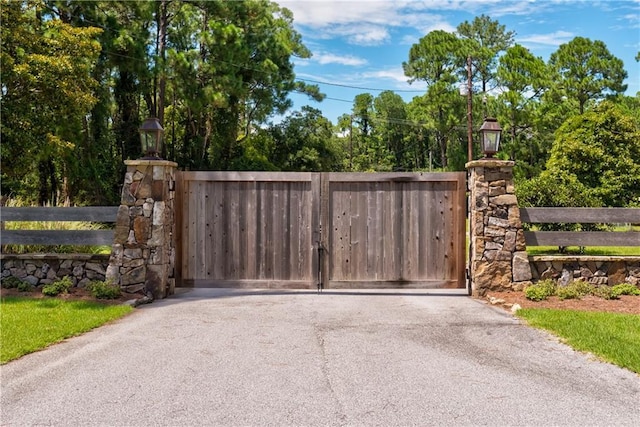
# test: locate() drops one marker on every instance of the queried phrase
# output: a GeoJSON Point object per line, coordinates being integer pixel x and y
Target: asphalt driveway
{"type": "Point", "coordinates": [254, 358]}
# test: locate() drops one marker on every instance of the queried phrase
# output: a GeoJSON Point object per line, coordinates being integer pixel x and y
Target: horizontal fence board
{"type": "Point", "coordinates": [580, 215]}
{"type": "Point", "coordinates": [85, 213]}
{"type": "Point", "coordinates": [246, 176]}
{"type": "Point", "coordinates": [56, 237]}
{"type": "Point", "coordinates": [394, 176]}
{"type": "Point", "coordinates": [249, 284]}
{"type": "Point", "coordinates": [392, 284]}
{"type": "Point", "coordinates": [582, 238]}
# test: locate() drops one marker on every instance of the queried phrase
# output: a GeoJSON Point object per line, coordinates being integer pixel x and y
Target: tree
{"type": "Point", "coordinates": [390, 127]}
{"type": "Point", "coordinates": [524, 79]}
{"type": "Point", "coordinates": [367, 152]}
{"type": "Point", "coordinates": [231, 66]}
{"type": "Point", "coordinates": [486, 39]}
{"type": "Point", "coordinates": [47, 90]}
{"type": "Point", "coordinates": [304, 142]}
{"type": "Point", "coordinates": [598, 153]}
{"type": "Point", "coordinates": [587, 70]}
{"type": "Point", "coordinates": [436, 59]}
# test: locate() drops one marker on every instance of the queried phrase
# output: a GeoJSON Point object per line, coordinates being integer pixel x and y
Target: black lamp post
{"type": "Point", "coordinates": [151, 138]}
{"type": "Point", "coordinates": [490, 137]}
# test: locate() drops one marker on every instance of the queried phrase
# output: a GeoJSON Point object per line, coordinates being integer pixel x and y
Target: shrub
{"type": "Point", "coordinates": [104, 290]}
{"type": "Point", "coordinates": [625, 289]}
{"type": "Point", "coordinates": [541, 290]}
{"type": "Point", "coordinates": [11, 282]}
{"type": "Point", "coordinates": [24, 286]}
{"type": "Point", "coordinates": [575, 290]}
{"type": "Point", "coordinates": [58, 287]}
{"type": "Point", "coordinates": [604, 292]}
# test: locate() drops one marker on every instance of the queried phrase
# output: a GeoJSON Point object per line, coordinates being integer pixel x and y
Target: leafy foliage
{"type": "Point", "coordinates": [12, 282]}
{"type": "Point", "coordinates": [103, 290]}
{"type": "Point", "coordinates": [601, 149]}
{"type": "Point", "coordinates": [578, 289]}
{"type": "Point", "coordinates": [575, 290]}
{"type": "Point", "coordinates": [624, 289]}
{"type": "Point", "coordinates": [587, 70]}
{"type": "Point", "coordinates": [58, 287]}
{"type": "Point", "coordinates": [79, 77]}
{"type": "Point", "coordinates": [541, 290]}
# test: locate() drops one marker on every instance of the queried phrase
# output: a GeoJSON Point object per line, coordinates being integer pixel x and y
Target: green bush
{"type": "Point", "coordinates": [625, 289]}
{"type": "Point", "coordinates": [11, 282]}
{"type": "Point", "coordinates": [604, 292]}
{"type": "Point", "coordinates": [104, 290]}
{"type": "Point", "coordinates": [575, 290]}
{"type": "Point", "coordinates": [24, 287]}
{"type": "Point", "coordinates": [58, 287]}
{"type": "Point", "coordinates": [541, 290]}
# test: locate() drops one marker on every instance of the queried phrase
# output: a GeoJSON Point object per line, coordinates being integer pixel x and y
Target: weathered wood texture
{"type": "Point", "coordinates": [105, 214]}
{"type": "Point", "coordinates": [238, 227]}
{"type": "Point", "coordinates": [85, 213]}
{"type": "Point", "coordinates": [300, 229]}
{"type": "Point", "coordinates": [396, 230]}
{"type": "Point", "coordinates": [582, 238]}
{"type": "Point", "coordinates": [581, 215]}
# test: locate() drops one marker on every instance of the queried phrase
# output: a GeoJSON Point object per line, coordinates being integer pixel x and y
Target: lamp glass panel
{"type": "Point", "coordinates": [491, 141]}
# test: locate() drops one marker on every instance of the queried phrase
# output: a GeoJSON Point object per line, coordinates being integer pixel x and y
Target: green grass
{"type": "Point", "coordinates": [613, 337]}
{"type": "Point", "coordinates": [29, 324]}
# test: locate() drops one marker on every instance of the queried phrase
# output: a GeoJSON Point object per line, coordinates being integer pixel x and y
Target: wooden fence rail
{"type": "Point", "coordinates": [104, 214]}
{"type": "Point", "coordinates": [581, 215]}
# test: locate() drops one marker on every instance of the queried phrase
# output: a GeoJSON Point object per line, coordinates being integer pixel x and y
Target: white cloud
{"type": "Point", "coordinates": [362, 22]}
{"type": "Point", "coordinates": [552, 39]}
{"type": "Point", "coordinates": [396, 76]}
{"type": "Point", "coordinates": [329, 58]}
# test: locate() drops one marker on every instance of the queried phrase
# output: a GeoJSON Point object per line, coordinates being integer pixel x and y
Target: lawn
{"type": "Point", "coordinates": [612, 337]}
{"type": "Point", "coordinates": [29, 324]}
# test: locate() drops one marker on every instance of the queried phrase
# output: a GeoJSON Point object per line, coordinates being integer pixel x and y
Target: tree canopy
{"type": "Point", "coordinates": [78, 78]}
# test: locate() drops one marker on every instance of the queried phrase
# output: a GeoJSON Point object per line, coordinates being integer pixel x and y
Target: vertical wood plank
{"type": "Point", "coordinates": [233, 220]}
{"type": "Point", "coordinates": [326, 230]}
{"type": "Point", "coordinates": [179, 228]}
{"type": "Point", "coordinates": [359, 216]}
{"type": "Point", "coordinates": [313, 201]}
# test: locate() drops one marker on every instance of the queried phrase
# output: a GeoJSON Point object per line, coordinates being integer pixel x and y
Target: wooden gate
{"type": "Point", "coordinates": [334, 230]}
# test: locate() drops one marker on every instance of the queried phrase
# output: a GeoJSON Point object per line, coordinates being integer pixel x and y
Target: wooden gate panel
{"type": "Point", "coordinates": [246, 230]}
{"type": "Point", "coordinates": [252, 229]}
{"type": "Point", "coordinates": [396, 230]}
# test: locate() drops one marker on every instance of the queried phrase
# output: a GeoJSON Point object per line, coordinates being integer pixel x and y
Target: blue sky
{"type": "Point", "coordinates": [363, 43]}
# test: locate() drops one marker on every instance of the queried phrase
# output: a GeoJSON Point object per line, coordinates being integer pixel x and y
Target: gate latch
{"type": "Point", "coordinates": [321, 251]}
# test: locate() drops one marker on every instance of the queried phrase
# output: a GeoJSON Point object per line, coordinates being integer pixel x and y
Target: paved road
{"type": "Point", "coordinates": [243, 358]}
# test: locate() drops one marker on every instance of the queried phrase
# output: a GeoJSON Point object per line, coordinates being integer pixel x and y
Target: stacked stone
{"type": "Point", "coordinates": [498, 253]}
{"type": "Point", "coordinates": [143, 252]}
{"type": "Point", "coordinates": [596, 270]}
{"type": "Point", "coordinates": [43, 269]}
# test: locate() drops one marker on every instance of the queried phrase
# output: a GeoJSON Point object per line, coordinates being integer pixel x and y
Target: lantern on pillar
{"type": "Point", "coordinates": [490, 132]}
{"type": "Point", "coordinates": [151, 133]}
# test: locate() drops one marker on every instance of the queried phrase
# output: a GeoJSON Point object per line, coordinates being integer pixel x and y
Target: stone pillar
{"type": "Point", "coordinates": [143, 251]}
{"type": "Point", "coordinates": [498, 257]}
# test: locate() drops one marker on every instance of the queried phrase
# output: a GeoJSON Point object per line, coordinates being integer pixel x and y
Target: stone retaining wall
{"type": "Point", "coordinates": [43, 269]}
{"type": "Point", "coordinates": [597, 270]}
